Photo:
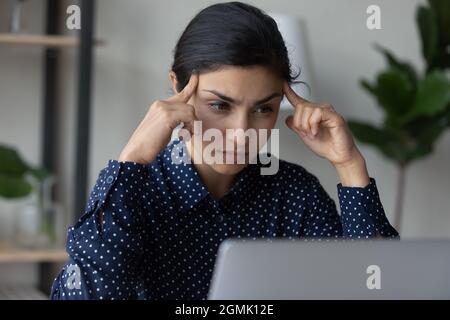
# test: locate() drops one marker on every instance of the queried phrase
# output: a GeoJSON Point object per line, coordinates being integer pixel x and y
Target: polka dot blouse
{"type": "Point", "coordinates": [152, 231]}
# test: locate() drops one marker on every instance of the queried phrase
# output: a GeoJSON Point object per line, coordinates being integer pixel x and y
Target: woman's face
{"type": "Point", "coordinates": [235, 98]}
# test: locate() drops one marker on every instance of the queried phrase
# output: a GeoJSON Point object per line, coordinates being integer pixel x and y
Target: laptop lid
{"type": "Point", "coordinates": [336, 269]}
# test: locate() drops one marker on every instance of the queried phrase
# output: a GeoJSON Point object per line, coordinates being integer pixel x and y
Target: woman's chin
{"type": "Point", "coordinates": [228, 169]}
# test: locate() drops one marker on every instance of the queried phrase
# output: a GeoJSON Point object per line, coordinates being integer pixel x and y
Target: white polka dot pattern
{"type": "Point", "coordinates": [161, 229]}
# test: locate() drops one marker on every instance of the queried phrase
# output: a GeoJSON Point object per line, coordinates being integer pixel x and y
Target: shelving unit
{"type": "Point", "coordinates": [20, 293]}
{"type": "Point", "coordinates": [53, 42]}
{"type": "Point", "coordinates": [49, 261]}
{"type": "Point", "coordinates": [10, 254]}
{"type": "Point", "coordinates": [49, 41]}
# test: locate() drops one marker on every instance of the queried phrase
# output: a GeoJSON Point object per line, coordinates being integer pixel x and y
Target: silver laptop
{"type": "Point", "coordinates": [375, 269]}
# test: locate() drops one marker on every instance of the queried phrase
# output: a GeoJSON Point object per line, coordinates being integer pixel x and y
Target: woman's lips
{"type": "Point", "coordinates": [234, 153]}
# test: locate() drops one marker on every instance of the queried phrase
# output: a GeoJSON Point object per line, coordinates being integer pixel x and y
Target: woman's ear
{"type": "Point", "coordinates": [173, 80]}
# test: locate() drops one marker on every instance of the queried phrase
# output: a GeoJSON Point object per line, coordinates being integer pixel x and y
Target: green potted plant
{"type": "Point", "coordinates": [416, 106]}
{"type": "Point", "coordinates": [19, 180]}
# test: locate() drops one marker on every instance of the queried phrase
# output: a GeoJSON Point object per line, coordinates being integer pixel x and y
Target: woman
{"type": "Point", "coordinates": [152, 226]}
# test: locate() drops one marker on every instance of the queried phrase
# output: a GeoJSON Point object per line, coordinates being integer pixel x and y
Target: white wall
{"type": "Point", "coordinates": [131, 72]}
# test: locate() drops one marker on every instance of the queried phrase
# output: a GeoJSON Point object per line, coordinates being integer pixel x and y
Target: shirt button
{"type": "Point", "coordinates": [219, 218]}
{"type": "Point", "coordinates": [109, 179]}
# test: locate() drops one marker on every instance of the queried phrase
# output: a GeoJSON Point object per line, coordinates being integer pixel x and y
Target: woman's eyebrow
{"type": "Point", "coordinates": [231, 100]}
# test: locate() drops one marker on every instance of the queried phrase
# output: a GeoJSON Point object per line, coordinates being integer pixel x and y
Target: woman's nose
{"type": "Point", "coordinates": [238, 126]}
{"type": "Point", "coordinates": [239, 121]}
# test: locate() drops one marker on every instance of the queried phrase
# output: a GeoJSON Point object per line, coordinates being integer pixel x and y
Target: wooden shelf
{"type": "Point", "coordinates": [21, 293]}
{"type": "Point", "coordinates": [41, 40]}
{"type": "Point", "coordinates": [9, 254]}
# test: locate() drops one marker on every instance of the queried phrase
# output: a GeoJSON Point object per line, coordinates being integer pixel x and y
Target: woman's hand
{"type": "Point", "coordinates": [327, 134]}
{"type": "Point", "coordinates": [155, 130]}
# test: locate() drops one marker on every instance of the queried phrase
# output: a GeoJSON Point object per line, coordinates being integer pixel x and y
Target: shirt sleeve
{"type": "Point", "coordinates": [362, 214]}
{"type": "Point", "coordinates": [104, 256]}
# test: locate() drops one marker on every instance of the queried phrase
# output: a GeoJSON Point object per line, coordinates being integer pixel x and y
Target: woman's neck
{"type": "Point", "coordinates": [216, 183]}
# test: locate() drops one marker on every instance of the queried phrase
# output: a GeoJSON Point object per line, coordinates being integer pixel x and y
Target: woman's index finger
{"type": "Point", "coordinates": [185, 94]}
{"type": "Point", "coordinates": [293, 97]}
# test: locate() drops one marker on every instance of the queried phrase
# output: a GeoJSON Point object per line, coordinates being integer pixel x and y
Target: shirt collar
{"type": "Point", "coordinates": [187, 186]}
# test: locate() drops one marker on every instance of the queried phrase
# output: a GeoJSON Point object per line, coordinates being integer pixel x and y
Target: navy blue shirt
{"type": "Point", "coordinates": [161, 228]}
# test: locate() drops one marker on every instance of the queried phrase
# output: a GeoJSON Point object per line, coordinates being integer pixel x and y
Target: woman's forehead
{"type": "Point", "coordinates": [240, 83]}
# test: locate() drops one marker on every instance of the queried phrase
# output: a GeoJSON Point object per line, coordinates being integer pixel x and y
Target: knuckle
{"type": "Point", "coordinates": [307, 109]}
{"type": "Point", "coordinates": [318, 112]}
{"type": "Point", "coordinates": [165, 113]}
{"type": "Point", "coordinates": [340, 118]}
{"type": "Point", "coordinates": [158, 104]}
{"type": "Point", "coordinates": [190, 109]}
{"type": "Point", "coordinates": [153, 106]}
{"type": "Point", "coordinates": [299, 105]}
{"type": "Point", "coordinates": [328, 106]}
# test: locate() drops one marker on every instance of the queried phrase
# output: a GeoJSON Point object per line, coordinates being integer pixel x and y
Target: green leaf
{"type": "Point", "coordinates": [443, 60]}
{"type": "Point", "coordinates": [11, 163]}
{"type": "Point", "coordinates": [446, 117]}
{"type": "Point", "coordinates": [441, 12]}
{"type": "Point", "coordinates": [427, 130]}
{"type": "Point", "coordinates": [39, 173]}
{"type": "Point", "coordinates": [433, 96]}
{"type": "Point", "coordinates": [426, 21]}
{"type": "Point", "coordinates": [402, 66]}
{"type": "Point", "coordinates": [424, 133]}
{"type": "Point", "coordinates": [441, 9]}
{"type": "Point", "coordinates": [385, 140]}
{"type": "Point", "coordinates": [420, 151]}
{"type": "Point", "coordinates": [367, 133]}
{"type": "Point", "coordinates": [13, 187]}
{"type": "Point", "coordinates": [394, 92]}
{"type": "Point", "coordinates": [394, 144]}
{"type": "Point", "coordinates": [369, 87]}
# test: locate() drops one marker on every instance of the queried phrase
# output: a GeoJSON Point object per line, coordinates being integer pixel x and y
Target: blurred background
{"type": "Point", "coordinates": [67, 106]}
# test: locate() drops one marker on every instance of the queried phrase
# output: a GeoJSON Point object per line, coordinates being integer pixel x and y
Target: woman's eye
{"type": "Point", "coordinates": [219, 106]}
{"type": "Point", "coordinates": [263, 109]}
